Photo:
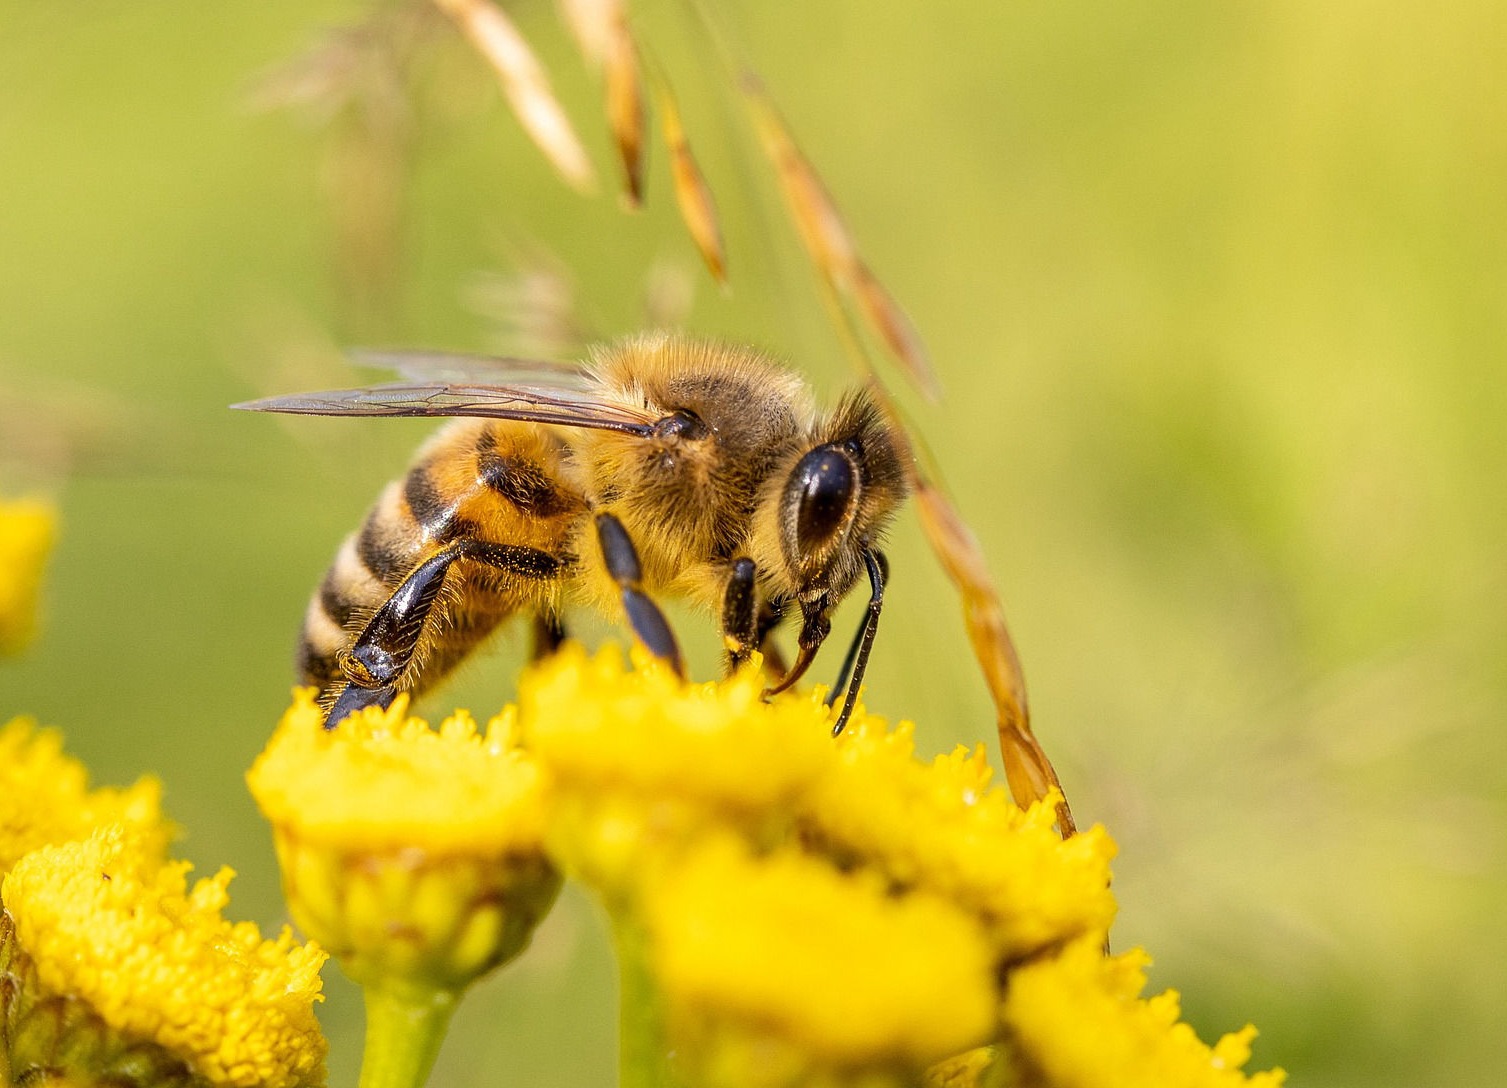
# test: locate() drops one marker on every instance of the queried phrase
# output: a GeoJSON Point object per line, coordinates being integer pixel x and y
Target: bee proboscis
{"type": "Point", "coordinates": [666, 467]}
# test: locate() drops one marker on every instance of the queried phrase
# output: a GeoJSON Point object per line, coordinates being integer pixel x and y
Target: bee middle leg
{"type": "Point", "coordinates": [740, 632]}
{"type": "Point", "coordinates": [771, 612]}
{"type": "Point", "coordinates": [746, 629]}
{"type": "Point", "coordinates": [377, 661]}
{"type": "Point", "coordinates": [649, 624]}
{"type": "Point", "coordinates": [549, 634]}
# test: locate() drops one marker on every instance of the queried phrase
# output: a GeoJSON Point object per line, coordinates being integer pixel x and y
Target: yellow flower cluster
{"type": "Point", "coordinates": [384, 780]}
{"type": "Point", "coordinates": [745, 946]}
{"type": "Point", "coordinates": [810, 911]}
{"type": "Point", "coordinates": [414, 854]}
{"type": "Point", "coordinates": [45, 796]}
{"type": "Point", "coordinates": [1078, 1021]}
{"type": "Point", "coordinates": [640, 762]}
{"type": "Point", "coordinates": [788, 909]}
{"type": "Point", "coordinates": [411, 853]}
{"type": "Point", "coordinates": [941, 827]}
{"type": "Point", "coordinates": [111, 969]}
{"type": "Point", "coordinates": [103, 920]}
{"type": "Point", "coordinates": [28, 528]}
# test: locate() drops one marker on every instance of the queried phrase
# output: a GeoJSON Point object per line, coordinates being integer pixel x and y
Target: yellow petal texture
{"type": "Point", "coordinates": [105, 921]}
{"type": "Point", "coordinates": [45, 796]}
{"type": "Point", "coordinates": [598, 723]}
{"type": "Point", "coordinates": [641, 762]}
{"type": "Point", "coordinates": [819, 971]}
{"type": "Point", "coordinates": [28, 528]}
{"type": "Point", "coordinates": [383, 779]}
{"type": "Point", "coordinates": [413, 854]}
{"type": "Point", "coordinates": [941, 828]}
{"type": "Point", "coordinates": [1078, 1021]}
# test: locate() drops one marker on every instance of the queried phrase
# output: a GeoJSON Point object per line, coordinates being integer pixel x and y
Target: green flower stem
{"type": "Point", "coordinates": [643, 1050]}
{"type": "Point", "coordinates": [405, 1025]}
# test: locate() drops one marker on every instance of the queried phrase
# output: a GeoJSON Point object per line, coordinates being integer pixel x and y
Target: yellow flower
{"type": "Point", "coordinates": [103, 921]}
{"type": "Point", "coordinates": [412, 854]}
{"type": "Point", "coordinates": [779, 970]}
{"type": "Point", "coordinates": [641, 762]}
{"type": "Point", "coordinates": [45, 796]}
{"type": "Point", "coordinates": [941, 828]}
{"type": "Point", "coordinates": [27, 530]}
{"type": "Point", "coordinates": [1078, 1021]}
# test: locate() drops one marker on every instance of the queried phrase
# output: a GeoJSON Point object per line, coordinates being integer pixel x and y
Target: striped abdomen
{"type": "Point", "coordinates": [489, 481]}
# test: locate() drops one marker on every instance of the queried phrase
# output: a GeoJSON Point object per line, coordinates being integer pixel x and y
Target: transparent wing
{"type": "Point", "coordinates": [449, 367]}
{"type": "Point", "coordinates": [565, 396]}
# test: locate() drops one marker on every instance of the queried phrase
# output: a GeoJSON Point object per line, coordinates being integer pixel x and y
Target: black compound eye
{"type": "Point", "coordinates": [825, 482]}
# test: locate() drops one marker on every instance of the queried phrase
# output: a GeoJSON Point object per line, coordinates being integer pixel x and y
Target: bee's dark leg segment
{"type": "Point", "coordinates": [847, 661]}
{"type": "Point", "coordinates": [771, 612]}
{"type": "Point", "coordinates": [375, 663]}
{"type": "Point", "coordinates": [549, 633]}
{"type": "Point", "coordinates": [649, 624]}
{"type": "Point", "coordinates": [354, 697]}
{"type": "Point", "coordinates": [857, 658]}
{"type": "Point", "coordinates": [814, 630]}
{"type": "Point", "coordinates": [385, 646]}
{"type": "Point", "coordinates": [739, 623]}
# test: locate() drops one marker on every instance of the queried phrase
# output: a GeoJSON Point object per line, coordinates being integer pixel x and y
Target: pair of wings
{"type": "Point", "coordinates": [443, 384]}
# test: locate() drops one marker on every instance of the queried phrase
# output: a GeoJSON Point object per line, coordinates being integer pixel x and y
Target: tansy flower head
{"type": "Point", "coordinates": [27, 530]}
{"type": "Point", "coordinates": [45, 796]}
{"type": "Point", "coordinates": [412, 853]}
{"type": "Point", "coordinates": [1078, 1021]}
{"type": "Point", "coordinates": [940, 827]}
{"type": "Point", "coordinates": [102, 923]}
{"type": "Point", "coordinates": [640, 761]}
{"type": "Point", "coordinates": [781, 971]}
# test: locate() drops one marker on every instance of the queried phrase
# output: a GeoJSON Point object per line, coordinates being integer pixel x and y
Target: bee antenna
{"type": "Point", "coordinates": [857, 658]}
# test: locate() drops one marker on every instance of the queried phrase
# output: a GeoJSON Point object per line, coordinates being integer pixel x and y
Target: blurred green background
{"type": "Point", "coordinates": [1217, 293]}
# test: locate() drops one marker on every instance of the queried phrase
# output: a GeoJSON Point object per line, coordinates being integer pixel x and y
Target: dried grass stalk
{"type": "Point", "coordinates": [1027, 768]}
{"type": "Point", "coordinates": [830, 243]}
{"type": "Point", "coordinates": [692, 194]}
{"type": "Point", "coordinates": [591, 22]}
{"type": "Point", "coordinates": [886, 317]}
{"type": "Point", "coordinates": [625, 106]}
{"type": "Point", "coordinates": [525, 84]}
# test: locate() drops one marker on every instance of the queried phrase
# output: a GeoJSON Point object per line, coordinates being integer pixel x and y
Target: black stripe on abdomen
{"type": "Point", "coordinates": [521, 481]}
{"type": "Point", "coordinates": [388, 555]}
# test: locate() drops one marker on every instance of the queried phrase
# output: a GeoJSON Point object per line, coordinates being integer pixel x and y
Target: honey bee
{"type": "Point", "coordinates": [665, 467]}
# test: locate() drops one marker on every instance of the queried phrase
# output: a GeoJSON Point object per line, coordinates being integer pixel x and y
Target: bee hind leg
{"type": "Point", "coordinates": [376, 663]}
{"type": "Point", "coordinates": [354, 697]}
{"type": "Point", "coordinates": [649, 624]}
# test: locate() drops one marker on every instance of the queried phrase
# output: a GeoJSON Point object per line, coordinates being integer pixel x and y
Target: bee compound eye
{"type": "Point", "coordinates": [825, 483]}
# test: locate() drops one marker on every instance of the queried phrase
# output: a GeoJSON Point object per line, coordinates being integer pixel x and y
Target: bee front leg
{"type": "Point", "coordinates": [856, 661]}
{"type": "Point", "coordinates": [649, 624]}
{"type": "Point", "coordinates": [815, 626]}
{"type": "Point", "coordinates": [740, 633]}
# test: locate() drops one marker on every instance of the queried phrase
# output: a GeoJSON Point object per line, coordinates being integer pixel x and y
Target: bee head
{"type": "Point", "coordinates": [838, 496]}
